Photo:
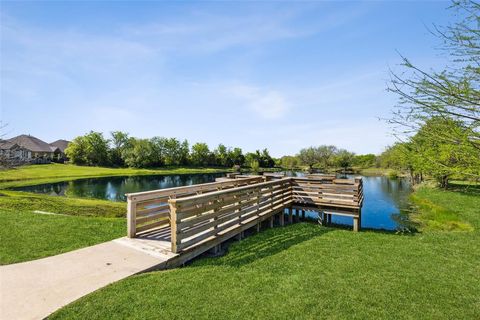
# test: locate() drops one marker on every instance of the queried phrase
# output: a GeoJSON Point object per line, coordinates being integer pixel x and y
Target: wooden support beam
{"type": "Point", "coordinates": [282, 218]}
{"type": "Point", "coordinates": [356, 224]}
{"type": "Point", "coordinates": [303, 214]}
{"type": "Point", "coordinates": [240, 236]}
{"type": "Point", "coordinates": [271, 220]}
{"type": "Point", "coordinates": [258, 226]}
{"type": "Point", "coordinates": [216, 249]}
{"type": "Point", "coordinates": [173, 227]}
{"type": "Point", "coordinates": [290, 215]}
{"type": "Point", "coordinates": [131, 218]}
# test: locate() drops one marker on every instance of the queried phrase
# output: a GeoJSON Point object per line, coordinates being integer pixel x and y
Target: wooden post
{"type": "Point", "coordinates": [131, 218]}
{"type": "Point", "coordinates": [290, 215]}
{"type": "Point", "coordinates": [216, 249]}
{"type": "Point", "coordinates": [258, 226]}
{"type": "Point", "coordinates": [173, 227]}
{"type": "Point", "coordinates": [270, 223]}
{"type": "Point", "coordinates": [240, 236]}
{"type": "Point", "coordinates": [356, 225]}
{"type": "Point", "coordinates": [303, 214]}
{"type": "Point", "coordinates": [359, 219]}
{"type": "Point", "coordinates": [282, 218]}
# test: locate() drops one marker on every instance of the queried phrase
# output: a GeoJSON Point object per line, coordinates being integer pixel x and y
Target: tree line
{"type": "Point", "coordinates": [122, 150]}
{"type": "Point", "coordinates": [437, 118]}
{"type": "Point", "coordinates": [327, 157]}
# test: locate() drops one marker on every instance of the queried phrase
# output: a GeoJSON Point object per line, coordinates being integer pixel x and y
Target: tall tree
{"type": "Point", "coordinates": [452, 93]}
{"type": "Point", "coordinates": [324, 155]}
{"type": "Point", "coordinates": [308, 156]}
{"type": "Point", "coordinates": [140, 154]}
{"type": "Point", "coordinates": [200, 154]}
{"type": "Point", "coordinates": [91, 149]}
{"type": "Point", "coordinates": [236, 156]}
{"type": "Point", "coordinates": [119, 142]}
{"type": "Point", "coordinates": [344, 158]}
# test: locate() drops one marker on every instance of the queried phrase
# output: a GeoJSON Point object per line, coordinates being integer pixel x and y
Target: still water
{"type": "Point", "coordinates": [385, 198]}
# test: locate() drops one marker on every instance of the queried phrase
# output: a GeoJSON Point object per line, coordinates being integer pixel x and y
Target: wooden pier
{"type": "Point", "coordinates": [186, 221]}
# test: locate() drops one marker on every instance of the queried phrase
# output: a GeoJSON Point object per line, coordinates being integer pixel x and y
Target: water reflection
{"type": "Point", "coordinates": [115, 188]}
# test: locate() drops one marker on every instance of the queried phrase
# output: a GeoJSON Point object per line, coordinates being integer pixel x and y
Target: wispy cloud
{"type": "Point", "coordinates": [268, 104]}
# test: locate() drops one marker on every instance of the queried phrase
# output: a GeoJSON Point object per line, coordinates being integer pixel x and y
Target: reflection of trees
{"type": "Point", "coordinates": [397, 190]}
{"type": "Point", "coordinates": [115, 188]}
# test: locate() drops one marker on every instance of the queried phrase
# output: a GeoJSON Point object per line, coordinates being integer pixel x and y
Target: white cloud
{"type": "Point", "coordinates": [268, 104]}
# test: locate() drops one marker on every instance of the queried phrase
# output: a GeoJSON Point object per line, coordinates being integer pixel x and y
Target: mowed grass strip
{"type": "Point", "coordinates": [27, 236]}
{"type": "Point", "coordinates": [311, 272]}
{"type": "Point", "coordinates": [25, 201]}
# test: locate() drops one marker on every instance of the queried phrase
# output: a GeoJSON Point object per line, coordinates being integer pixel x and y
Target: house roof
{"type": "Point", "coordinates": [60, 144]}
{"type": "Point", "coordinates": [7, 145]}
{"type": "Point", "coordinates": [31, 143]}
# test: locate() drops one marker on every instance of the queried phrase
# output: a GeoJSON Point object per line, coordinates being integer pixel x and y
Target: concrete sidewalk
{"type": "Point", "coordinates": [35, 289]}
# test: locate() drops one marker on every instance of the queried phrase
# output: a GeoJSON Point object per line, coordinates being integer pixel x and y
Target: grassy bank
{"type": "Point", "coordinates": [375, 171]}
{"type": "Point", "coordinates": [37, 174]}
{"type": "Point", "coordinates": [440, 210]}
{"type": "Point", "coordinates": [26, 235]}
{"type": "Point", "coordinates": [24, 201]}
{"type": "Point", "coordinates": [309, 271]}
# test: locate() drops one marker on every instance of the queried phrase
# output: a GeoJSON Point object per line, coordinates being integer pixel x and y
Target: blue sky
{"type": "Point", "coordinates": [282, 75]}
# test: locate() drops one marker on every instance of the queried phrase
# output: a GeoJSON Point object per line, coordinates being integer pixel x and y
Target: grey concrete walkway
{"type": "Point", "coordinates": [35, 289]}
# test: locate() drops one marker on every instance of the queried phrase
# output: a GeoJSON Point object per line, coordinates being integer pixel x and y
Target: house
{"type": "Point", "coordinates": [35, 150]}
{"type": "Point", "coordinates": [11, 153]}
{"type": "Point", "coordinates": [61, 145]}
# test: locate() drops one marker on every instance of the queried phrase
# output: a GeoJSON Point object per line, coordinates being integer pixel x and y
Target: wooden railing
{"type": "Point", "coordinates": [150, 209]}
{"type": "Point", "coordinates": [219, 215]}
{"type": "Point", "coordinates": [201, 216]}
{"type": "Point", "coordinates": [328, 192]}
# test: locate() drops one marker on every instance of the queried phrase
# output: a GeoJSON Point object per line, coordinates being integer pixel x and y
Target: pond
{"type": "Point", "coordinates": [384, 202]}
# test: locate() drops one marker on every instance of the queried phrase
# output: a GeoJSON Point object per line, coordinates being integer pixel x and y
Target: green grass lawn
{"type": "Point", "coordinates": [26, 235]}
{"type": "Point", "coordinates": [308, 271]}
{"type": "Point", "coordinates": [44, 173]}
{"type": "Point", "coordinates": [25, 201]}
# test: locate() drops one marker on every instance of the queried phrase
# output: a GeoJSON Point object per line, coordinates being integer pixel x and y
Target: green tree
{"type": "Point", "coordinates": [222, 156]}
{"type": "Point", "coordinates": [140, 154]}
{"type": "Point", "coordinates": [308, 156]}
{"type": "Point", "coordinates": [119, 142]}
{"type": "Point", "coordinates": [236, 156]}
{"type": "Point", "coordinates": [344, 158]}
{"type": "Point", "coordinates": [254, 165]}
{"type": "Point", "coordinates": [91, 149]}
{"type": "Point", "coordinates": [451, 93]}
{"type": "Point", "coordinates": [289, 162]}
{"type": "Point", "coordinates": [76, 151]}
{"type": "Point", "coordinates": [250, 157]}
{"type": "Point", "coordinates": [97, 149]}
{"type": "Point", "coordinates": [266, 161]}
{"type": "Point", "coordinates": [157, 144]}
{"type": "Point", "coordinates": [184, 153]}
{"type": "Point", "coordinates": [324, 155]}
{"type": "Point", "coordinates": [173, 152]}
{"type": "Point", "coordinates": [365, 160]}
{"type": "Point", "coordinates": [200, 154]}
